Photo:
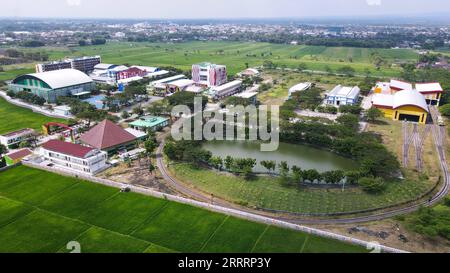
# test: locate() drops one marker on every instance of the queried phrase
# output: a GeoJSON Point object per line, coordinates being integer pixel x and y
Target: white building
{"type": "Point", "coordinates": [62, 110]}
{"type": "Point", "coordinates": [209, 74]}
{"type": "Point", "coordinates": [14, 138]}
{"type": "Point", "coordinates": [226, 90]}
{"type": "Point", "coordinates": [342, 95]}
{"type": "Point", "coordinates": [74, 157]}
{"type": "Point", "coordinates": [299, 87]}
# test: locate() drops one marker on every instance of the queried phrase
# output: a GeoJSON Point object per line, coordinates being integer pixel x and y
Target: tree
{"type": "Point", "coordinates": [284, 168]}
{"type": "Point", "coordinates": [352, 177]}
{"type": "Point", "coordinates": [311, 175]}
{"type": "Point", "coordinates": [297, 174]}
{"type": "Point", "coordinates": [82, 42]}
{"type": "Point", "coordinates": [270, 165]}
{"type": "Point", "coordinates": [151, 168]}
{"type": "Point", "coordinates": [349, 120]}
{"type": "Point", "coordinates": [150, 145]}
{"type": "Point", "coordinates": [216, 162]}
{"type": "Point", "coordinates": [445, 110]}
{"type": "Point", "coordinates": [3, 149]}
{"type": "Point", "coordinates": [333, 177]}
{"type": "Point", "coordinates": [347, 70]}
{"type": "Point", "coordinates": [350, 109]}
{"type": "Point", "coordinates": [24, 144]}
{"type": "Point", "coordinates": [372, 185]}
{"type": "Point", "coordinates": [302, 66]}
{"type": "Point", "coordinates": [228, 162]}
{"type": "Point", "coordinates": [373, 114]}
{"type": "Point", "coordinates": [138, 111]}
{"type": "Point", "coordinates": [125, 115]}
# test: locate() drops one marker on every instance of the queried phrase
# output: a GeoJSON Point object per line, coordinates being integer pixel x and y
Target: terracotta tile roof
{"type": "Point", "coordinates": [19, 154]}
{"type": "Point", "coordinates": [106, 135]}
{"type": "Point", "coordinates": [67, 148]}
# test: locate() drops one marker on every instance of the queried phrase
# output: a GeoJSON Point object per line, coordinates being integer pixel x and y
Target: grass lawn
{"type": "Point", "coordinates": [22, 117]}
{"type": "Point", "coordinates": [269, 193]}
{"type": "Point", "coordinates": [103, 220]}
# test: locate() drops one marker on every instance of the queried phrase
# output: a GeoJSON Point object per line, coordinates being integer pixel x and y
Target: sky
{"type": "Point", "coordinates": [219, 9]}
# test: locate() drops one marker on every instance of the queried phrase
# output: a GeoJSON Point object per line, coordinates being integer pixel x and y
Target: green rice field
{"type": "Point", "coordinates": [42, 212]}
{"type": "Point", "coordinates": [236, 55]}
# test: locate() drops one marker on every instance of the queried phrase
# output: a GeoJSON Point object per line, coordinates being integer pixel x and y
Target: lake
{"type": "Point", "coordinates": [305, 157]}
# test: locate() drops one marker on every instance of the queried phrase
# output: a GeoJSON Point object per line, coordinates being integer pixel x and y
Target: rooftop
{"type": "Point", "coordinates": [429, 87]}
{"type": "Point", "coordinates": [19, 154]}
{"type": "Point", "coordinates": [227, 85]}
{"type": "Point", "coordinates": [60, 78]}
{"type": "Point", "coordinates": [401, 85]}
{"type": "Point", "coordinates": [401, 98]}
{"type": "Point", "coordinates": [345, 91]}
{"type": "Point", "coordinates": [149, 121]}
{"type": "Point", "coordinates": [19, 132]}
{"type": "Point", "coordinates": [67, 148]}
{"type": "Point", "coordinates": [106, 135]}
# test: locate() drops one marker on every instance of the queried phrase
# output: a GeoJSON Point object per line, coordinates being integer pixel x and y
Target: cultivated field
{"type": "Point", "coordinates": [16, 118]}
{"type": "Point", "coordinates": [236, 55]}
{"type": "Point", "coordinates": [42, 212]}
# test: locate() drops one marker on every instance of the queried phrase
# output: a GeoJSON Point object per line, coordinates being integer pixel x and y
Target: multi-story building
{"type": "Point", "coordinates": [83, 64]}
{"type": "Point", "coordinates": [52, 66]}
{"type": "Point", "coordinates": [209, 74]}
{"type": "Point", "coordinates": [86, 64]}
{"type": "Point", "coordinates": [226, 90]}
{"type": "Point", "coordinates": [74, 157]}
{"type": "Point", "coordinates": [14, 138]}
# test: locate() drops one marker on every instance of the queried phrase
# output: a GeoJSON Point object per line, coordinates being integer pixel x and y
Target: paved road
{"type": "Point", "coordinates": [439, 138]}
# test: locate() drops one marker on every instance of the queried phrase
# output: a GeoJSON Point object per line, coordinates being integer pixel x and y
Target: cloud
{"type": "Point", "coordinates": [73, 3]}
{"type": "Point", "coordinates": [373, 2]}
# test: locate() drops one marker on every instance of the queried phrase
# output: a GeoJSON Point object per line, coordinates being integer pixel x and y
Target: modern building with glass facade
{"type": "Point", "coordinates": [53, 84]}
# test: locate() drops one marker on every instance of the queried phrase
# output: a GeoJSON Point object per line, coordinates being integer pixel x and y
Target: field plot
{"type": "Point", "coordinates": [236, 55]}
{"type": "Point", "coordinates": [269, 193]}
{"type": "Point", "coordinates": [22, 117]}
{"type": "Point", "coordinates": [104, 220]}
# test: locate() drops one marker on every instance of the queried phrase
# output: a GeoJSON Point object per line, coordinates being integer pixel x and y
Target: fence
{"type": "Point", "coordinates": [219, 209]}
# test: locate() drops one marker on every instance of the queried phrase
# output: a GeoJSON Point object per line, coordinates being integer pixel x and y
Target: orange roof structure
{"type": "Point", "coordinates": [107, 135]}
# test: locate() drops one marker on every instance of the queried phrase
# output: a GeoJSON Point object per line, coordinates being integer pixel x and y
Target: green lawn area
{"type": "Point", "coordinates": [22, 117]}
{"type": "Point", "coordinates": [269, 193]}
{"type": "Point", "coordinates": [104, 220]}
{"type": "Point", "coordinates": [233, 54]}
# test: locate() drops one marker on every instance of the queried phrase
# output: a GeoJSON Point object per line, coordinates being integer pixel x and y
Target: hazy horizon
{"type": "Point", "coordinates": [223, 9]}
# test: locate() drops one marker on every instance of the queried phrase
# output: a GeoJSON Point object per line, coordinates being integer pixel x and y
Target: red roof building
{"type": "Point", "coordinates": [131, 72]}
{"type": "Point", "coordinates": [16, 157]}
{"type": "Point", "coordinates": [67, 148]}
{"type": "Point", "coordinates": [108, 136]}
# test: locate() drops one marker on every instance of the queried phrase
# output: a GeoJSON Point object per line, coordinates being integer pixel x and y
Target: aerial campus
{"type": "Point", "coordinates": [91, 160]}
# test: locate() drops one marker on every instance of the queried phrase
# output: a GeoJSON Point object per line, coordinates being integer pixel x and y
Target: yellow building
{"type": "Point", "coordinates": [407, 105]}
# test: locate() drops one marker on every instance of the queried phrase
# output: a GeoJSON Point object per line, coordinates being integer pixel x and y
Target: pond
{"type": "Point", "coordinates": [305, 157]}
